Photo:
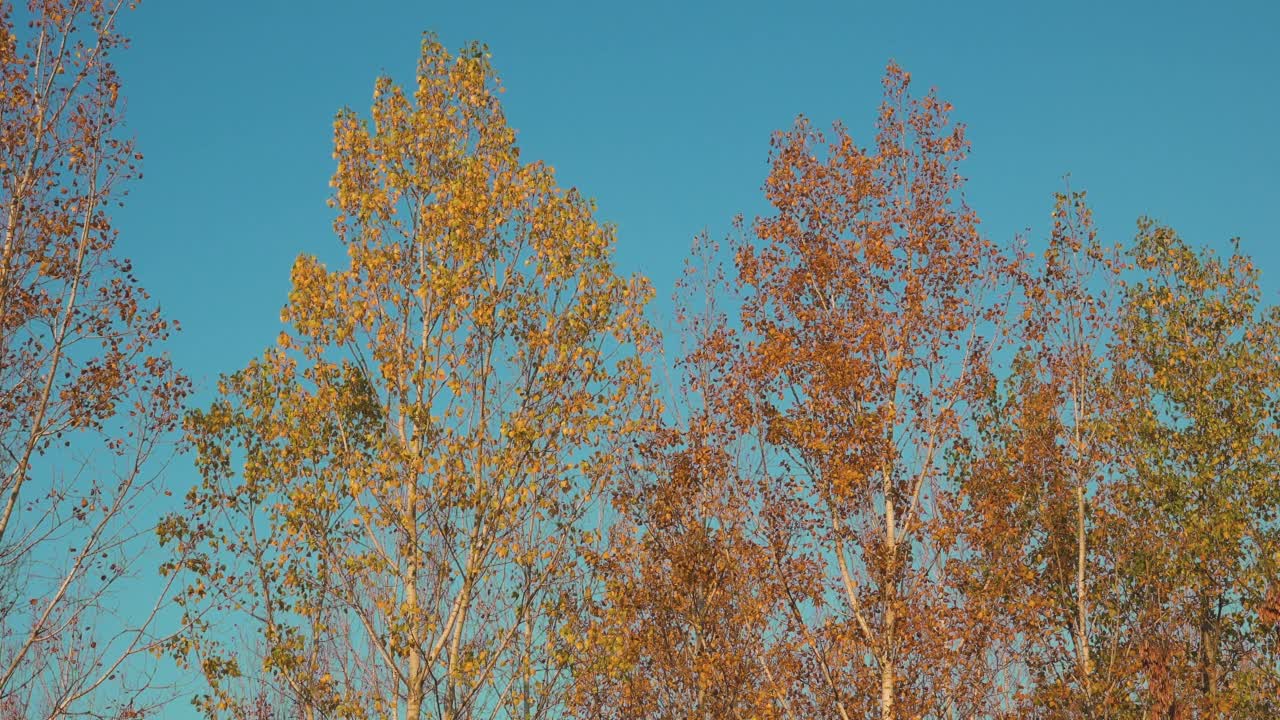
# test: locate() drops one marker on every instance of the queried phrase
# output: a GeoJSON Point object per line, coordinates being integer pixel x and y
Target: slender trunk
{"type": "Point", "coordinates": [1083, 658]}
{"type": "Point", "coordinates": [455, 645]}
{"type": "Point", "coordinates": [886, 691]}
{"type": "Point", "coordinates": [416, 674]}
{"type": "Point", "coordinates": [1082, 608]}
{"type": "Point", "coordinates": [1209, 639]}
{"type": "Point", "coordinates": [7, 251]}
{"type": "Point", "coordinates": [413, 706]}
{"type": "Point", "coordinates": [887, 661]}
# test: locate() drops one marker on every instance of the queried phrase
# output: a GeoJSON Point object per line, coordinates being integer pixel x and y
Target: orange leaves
{"type": "Point", "coordinates": [861, 301]}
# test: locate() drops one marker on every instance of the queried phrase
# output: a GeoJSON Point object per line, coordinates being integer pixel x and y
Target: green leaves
{"type": "Point", "coordinates": [1196, 363]}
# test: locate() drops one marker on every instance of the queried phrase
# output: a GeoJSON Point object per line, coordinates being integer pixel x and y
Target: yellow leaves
{"type": "Point", "coordinates": [450, 376]}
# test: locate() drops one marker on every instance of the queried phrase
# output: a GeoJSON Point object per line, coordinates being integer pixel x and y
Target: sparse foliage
{"type": "Point", "coordinates": [87, 402]}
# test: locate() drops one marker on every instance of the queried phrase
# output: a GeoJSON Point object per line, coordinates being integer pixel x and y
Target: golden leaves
{"type": "Point", "coordinates": [419, 436]}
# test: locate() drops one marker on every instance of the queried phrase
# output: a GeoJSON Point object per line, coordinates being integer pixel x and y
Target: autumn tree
{"type": "Point", "coordinates": [1197, 364]}
{"type": "Point", "coordinates": [870, 305]}
{"type": "Point", "coordinates": [1121, 487]}
{"type": "Point", "coordinates": [1041, 479]}
{"type": "Point", "coordinates": [687, 622]}
{"type": "Point", "coordinates": [394, 498]}
{"type": "Point", "coordinates": [86, 400]}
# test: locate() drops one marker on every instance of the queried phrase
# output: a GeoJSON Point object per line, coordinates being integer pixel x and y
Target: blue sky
{"type": "Point", "coordinates": [663, 111]}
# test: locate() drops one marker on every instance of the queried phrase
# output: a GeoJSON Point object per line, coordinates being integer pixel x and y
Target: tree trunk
{"type": "Point", "coordinates": [1082, 608]}
{"type": "Point", "coordinates": [891, 598]}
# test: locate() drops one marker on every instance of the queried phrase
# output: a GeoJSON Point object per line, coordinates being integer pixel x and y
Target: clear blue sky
{"type": "Point", "coordinates": [662, 111]}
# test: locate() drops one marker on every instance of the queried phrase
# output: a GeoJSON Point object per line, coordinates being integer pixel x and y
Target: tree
{"type": "Point", "coordinates": [871, 302]}
{"type": "Point", "coordinates": [688, 623]}
{"type": "Point", "coordinates": [394, 497]}
{"type": "Point", "coordinates": [86, 400]}
{"type": "Point", "coordinates": [1041, 478]}
{"type": "Point", "coordinates": [1197, 362]}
